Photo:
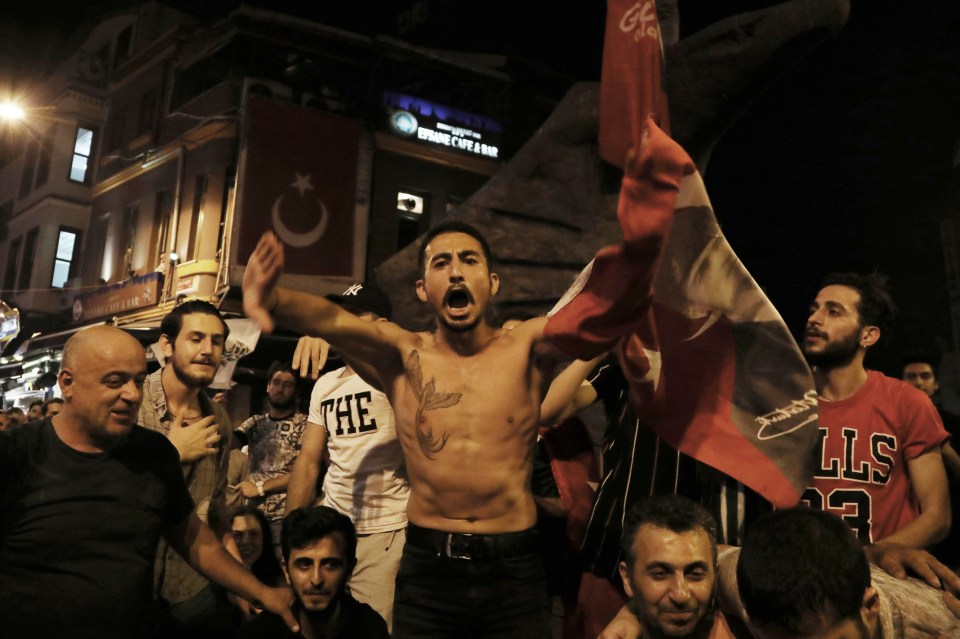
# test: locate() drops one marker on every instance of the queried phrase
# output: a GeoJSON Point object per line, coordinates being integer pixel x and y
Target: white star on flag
{"type": "Point", "coordinates": [302, 183]}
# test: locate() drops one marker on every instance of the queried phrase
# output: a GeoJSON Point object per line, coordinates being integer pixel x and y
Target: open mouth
{"type": "Point", "coordinates": [458, 298]}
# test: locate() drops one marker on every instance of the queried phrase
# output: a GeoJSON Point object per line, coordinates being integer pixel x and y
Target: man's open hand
{"type": "Point", "coordinates": [901, 561]}
{"type": "Point", "coordinates": [310, 356]}
{"type": "Point", "coordinates": [259, 279]}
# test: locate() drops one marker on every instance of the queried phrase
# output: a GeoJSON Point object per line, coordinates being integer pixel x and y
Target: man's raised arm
{"type": "Point", "coordinates": [268, 305]}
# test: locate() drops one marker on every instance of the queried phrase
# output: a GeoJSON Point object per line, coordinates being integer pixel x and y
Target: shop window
{"type": "Point", "coordinates": [82, 155]}
{"type": "Point", "coordinates": [64, 261]}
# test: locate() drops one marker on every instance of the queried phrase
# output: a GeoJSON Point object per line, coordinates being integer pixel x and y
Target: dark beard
{"type": "Point", "coordinates": [281, 407]}
{"type": "Point", "coordinates": [836, 354]}
{"type": "Point", "coordinates": [463, 328]}
{"type": "Point", "coordinates": [193, 381]}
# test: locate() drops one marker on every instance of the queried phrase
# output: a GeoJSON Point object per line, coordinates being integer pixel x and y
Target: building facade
{"type": "Point", "coordinates": [168, 144]}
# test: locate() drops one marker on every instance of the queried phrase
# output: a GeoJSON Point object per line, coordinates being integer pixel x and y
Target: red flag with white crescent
{"type": "Point", "coordinates": [710, 364]}
{"type": "Point", "coordinates": [300, 177]}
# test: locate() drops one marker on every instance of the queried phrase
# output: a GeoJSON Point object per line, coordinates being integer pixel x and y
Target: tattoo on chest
{"type": "Point", "coordinates": [428, 399]}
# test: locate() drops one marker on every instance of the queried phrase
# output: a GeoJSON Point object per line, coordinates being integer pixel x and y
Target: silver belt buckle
{"type": "Point", "coordinates": [456, 554]}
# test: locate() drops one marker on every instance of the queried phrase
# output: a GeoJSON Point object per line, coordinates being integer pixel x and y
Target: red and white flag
{"type": "Point", "coordinates": [710, 363]}
{"type": "Point", "coordinates": [632, 41]}
{"type": "Point", "coordinates": [300, 181]}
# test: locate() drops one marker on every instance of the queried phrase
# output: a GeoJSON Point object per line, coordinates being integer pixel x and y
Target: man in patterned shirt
{"type": "Point", "coordinates": [192, 337]}
{"type": "Point", "coordinates": [274, 443]}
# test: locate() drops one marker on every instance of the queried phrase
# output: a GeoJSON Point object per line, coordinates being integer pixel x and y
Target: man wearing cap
{"type": "Point", "coordinates": [353, 422]}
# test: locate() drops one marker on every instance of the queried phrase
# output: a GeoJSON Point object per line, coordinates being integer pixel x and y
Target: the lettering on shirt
{"type": "Point", "coordinates": [350, 413]}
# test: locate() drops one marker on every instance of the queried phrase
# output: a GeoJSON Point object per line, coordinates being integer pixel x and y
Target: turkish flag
{"type": "Point", "coordinates": [631, 87]}
{"type": "Point", "coordinates": [299, 181]}
{"type": "Point", "coordinates": [710, 364]}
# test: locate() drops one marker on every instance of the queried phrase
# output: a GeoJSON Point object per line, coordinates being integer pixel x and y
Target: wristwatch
{"type": "Point", "coordinates": [259, 485]}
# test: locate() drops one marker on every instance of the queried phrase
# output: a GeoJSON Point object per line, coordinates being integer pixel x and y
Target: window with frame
{"type": "Point", "coordinates": [124, 45]}
{"type": "Point", "coordinates": [10, 273]}
{"type": "Point", "coordinates": [410, 213]}
{"type": "Point", "coordinates": [65, 259]}
{"type": "Point", "coordinates": [6, 213]}
{"type": "Point", "coordinates": [148, 110]}
{"type": "Point", "coordinates": [45, 152]}
{"type": "Point", "coordinates": [29, 253]}
{"type": "Point", "coordinates": [164, 211]}
{"type": "Point", "coordinates": [82, 155]}
{"type": "Point", "coordinates": [29, 164]}
{"type": "Point", "coordinates": [131, 215]}
{"type": "Point", "coordinates": [196, 221]}
{"type": "Point", "coordinates": [118, 130]}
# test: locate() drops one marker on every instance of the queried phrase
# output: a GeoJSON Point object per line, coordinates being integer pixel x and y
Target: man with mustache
{"type": "Point", "coordinates": [466, 398]}
{"type": "Point", "coordinates": [669, 569]}
{"type": "Point", "coordinates": [319, 547]}
{"type": "Point", "coordinates": [192, 338]}
{"type": "Point", "coordinates": [879, 467]}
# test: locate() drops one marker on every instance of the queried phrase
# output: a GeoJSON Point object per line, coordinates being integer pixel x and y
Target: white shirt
{"type": "Point", "coordinates": [366, 480]}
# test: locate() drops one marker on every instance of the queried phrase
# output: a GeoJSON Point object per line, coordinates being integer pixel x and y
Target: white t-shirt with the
{"type": "Point", "coordinates": [366, 480]}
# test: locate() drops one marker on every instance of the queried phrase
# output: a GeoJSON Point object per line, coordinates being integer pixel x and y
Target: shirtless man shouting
{"type": "Point", "coordinates": [467, 403]}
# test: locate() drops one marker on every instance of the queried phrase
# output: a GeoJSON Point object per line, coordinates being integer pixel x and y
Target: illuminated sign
{"type": "Point", "coordinates": [132, 294]}
{"type": "Point", "coordinates": [440, 125]}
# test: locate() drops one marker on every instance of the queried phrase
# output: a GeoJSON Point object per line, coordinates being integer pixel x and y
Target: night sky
{"type": "Point", "coordinates": [847, 164]}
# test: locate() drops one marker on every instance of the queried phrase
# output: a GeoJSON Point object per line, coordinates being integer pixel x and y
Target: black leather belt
{"type": "Point", "coordinates": [472, 547]}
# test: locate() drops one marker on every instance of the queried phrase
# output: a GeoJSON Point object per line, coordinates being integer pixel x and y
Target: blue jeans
{"type": "Point", "coordinates": [441, 596]}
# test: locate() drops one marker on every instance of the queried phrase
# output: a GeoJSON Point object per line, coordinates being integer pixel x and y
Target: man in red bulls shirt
{"type": "Point", "coordinates": [879, 465]}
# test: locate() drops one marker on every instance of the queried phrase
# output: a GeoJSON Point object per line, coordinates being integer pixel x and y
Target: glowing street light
{"type": "Point", "coordinates": [11, 111]}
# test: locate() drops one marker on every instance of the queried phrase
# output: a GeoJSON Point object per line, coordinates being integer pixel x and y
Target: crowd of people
{"type": "Point", "coordinates": [441, 485]}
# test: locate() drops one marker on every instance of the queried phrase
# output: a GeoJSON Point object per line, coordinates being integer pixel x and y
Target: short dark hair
{"type": "Point", "coordinates": [799, 566]}
{"type": "Point", "coordinates": [14, 409]}
{"type": "Point", "coordinates": [38, 402]}
{"type": "Point", "coordinates": [452, 226]}
{"type": "Point", "coordinates": [46, 404]}
{"type": "Point", "coordinates": [173, 321]}
{"type": "Point", "coordinates": [876, 307]}
{"type": "Point", "coordinates": [303, 526]}
{"type": "Point", "coordinates": [921, 357]}
{"type": "Point", "coordinates": [279, 367]}
{"type": "Point", "coordinates": [672, 512]}
{"type": "Point", "coordinates": [266, 568]}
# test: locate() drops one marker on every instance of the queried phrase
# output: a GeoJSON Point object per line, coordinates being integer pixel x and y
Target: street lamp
{"type": "Point", "coordinates": [11, 111]}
